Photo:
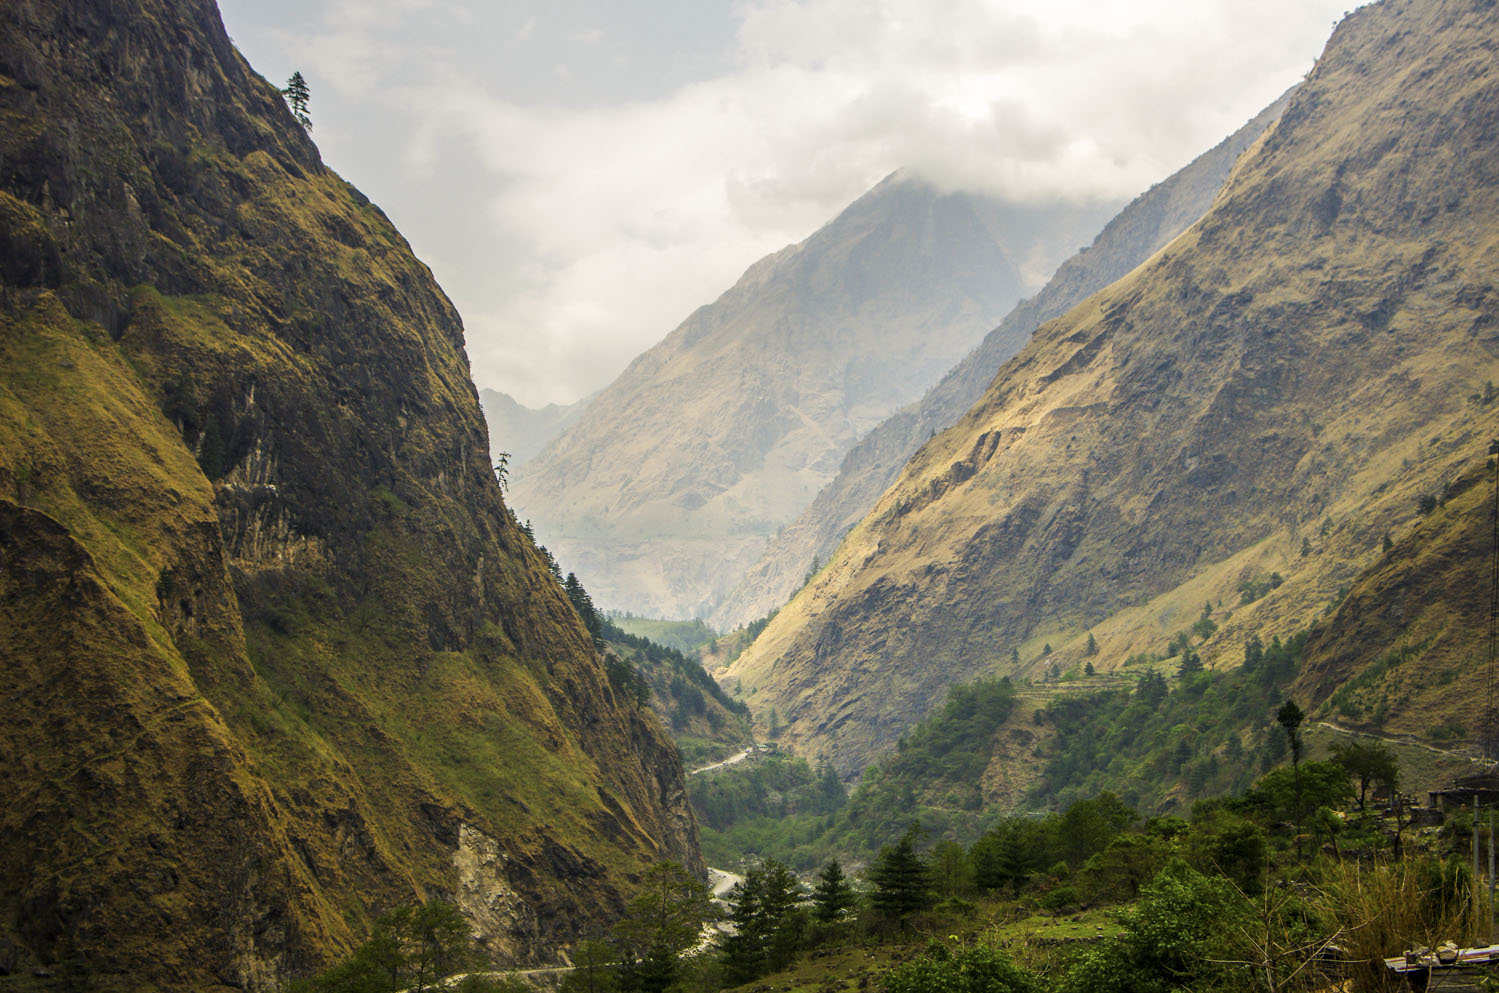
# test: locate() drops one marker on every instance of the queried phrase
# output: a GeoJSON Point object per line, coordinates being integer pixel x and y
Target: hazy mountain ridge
{"type": "Point", "coordinates": [522, 431]}
{"type": "Point", "coordinates": [279, 656]}
{"type": "Point", "coordinates": [1272, 391]}
{"type": "Point", "coordinates": [872, 464]}
{"type": "Point", "coordinates": [683, 467]}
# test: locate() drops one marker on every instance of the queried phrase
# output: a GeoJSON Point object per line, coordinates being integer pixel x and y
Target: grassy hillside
{"type": "Point", "coordinates": [280, 656]}
{"type": "Point", "coordinates": [1272, 393]}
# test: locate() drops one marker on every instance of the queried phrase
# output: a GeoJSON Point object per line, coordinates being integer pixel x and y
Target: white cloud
{"type": "Point", "coordinates": [575, 230]}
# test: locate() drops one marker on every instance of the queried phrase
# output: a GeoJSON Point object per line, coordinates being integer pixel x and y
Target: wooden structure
{"type": "Point", "coordinates": [1447, 968]}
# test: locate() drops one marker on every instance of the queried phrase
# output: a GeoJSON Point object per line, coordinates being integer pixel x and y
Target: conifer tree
{"type": "Point", "coordinates": [833, 897]}
{"type": "Point", "coordinates": [763, 911]}
{"type": "Point", "coordinates": [899, 878]}
{"type": "Point", "coordinates": [297, 95]}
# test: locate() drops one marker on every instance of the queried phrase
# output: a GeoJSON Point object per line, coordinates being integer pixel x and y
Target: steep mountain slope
{"type": "Point", "coordinates": [1136, 233]}
{"type": "Point", "coordinates": [278, 657]}
{"type": "Point", "coordinates": [679, 471]}
{"type": "Point", "coordinates": [1407, 651]}
{"type": "Point", "coordinates": [523, 431]}
{"type": "Point", "coordinates": [1271, 392]}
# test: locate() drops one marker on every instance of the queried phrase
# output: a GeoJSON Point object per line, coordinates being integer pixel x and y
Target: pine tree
{"type": "Point", "coordinates": [833, 897]}
{"type": "Point", "coordinates": [297, 94]}
{"type": "Point", "coordinates": [766, 933]}
{"type": "Point", "coordinates": [742, 953]}
{"type": "Point", "coordinates": [899, 879]}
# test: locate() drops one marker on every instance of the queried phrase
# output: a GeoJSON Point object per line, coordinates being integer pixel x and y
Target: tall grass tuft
{"type": "Point", "coordinates": [1382, 910]}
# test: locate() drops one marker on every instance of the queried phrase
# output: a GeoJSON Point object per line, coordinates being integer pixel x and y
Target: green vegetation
{"type": "Point", "coordinates": [705, 721]}
{"type": "Point", "coordinates": [646, 951]}
{"type": "Point", "coordinates": [1163, 746]}
{"type": "Point", "coordinates": [415, 948]}
{"type": "Point", "coordinates": [768, 925]}
{"type": "Point", "coordinates": [1161, 743]}
{"type": "Point", "coordinates": [297, 95]}
{"type": "Point", "coordinates": [770, 806]}
{"type": "Point", "coordinates": [681, 636]}
{"type": "Point", "coordinates": [1095, 897]}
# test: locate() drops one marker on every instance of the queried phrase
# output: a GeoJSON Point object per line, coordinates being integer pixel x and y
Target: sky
{"type": "Point", "coordinates": [580, 175]}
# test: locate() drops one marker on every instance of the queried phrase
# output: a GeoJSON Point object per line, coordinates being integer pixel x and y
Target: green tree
{"type": "Point", "coordinates": [593, 968]}
{"type": "Point", "coordinates": [1092, 648]}
{"type": "Point", "coordinates": [899, 880]}
{"type": "Point", "coordinates": [412, 947]}
{"type": "Point", "coordinates": [767, 925]}
{"type": "Point", "coordinates": [1175, 938]}
{"type": "Point", "coordinates": [1129, 862]}
{"type": "Point", "coordinates": [833, 897]}
{"type": "Point", "coordinates": [1368, 762]}
{"type": "Point", "coordinates": [1289, 717]}
{"type": "Point", "coordinates": [438, 942]}
{"type": "Point", "coordinates": [1007, 854]}
{"type": "Point", "coordinates": [297, 96]}
{"type": "Point", "coordinates": [583, 604]}
{"type": "Point", "coordinates": [1191, 661]}
{"type": "Point", "coordinates": [950, 869]}
{"type": "Point", "coordinates": [670, 909]}
{"type": "Point", "coordinates": [1225, 844]}
{"type": "Point", "coordinates": [1089, 825]}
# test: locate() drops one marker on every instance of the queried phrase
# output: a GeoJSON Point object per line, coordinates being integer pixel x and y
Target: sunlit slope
{"type": "Point", "coordinates": [1137, 232]}
{"type": "Point", "coordinates": [1270, 393]}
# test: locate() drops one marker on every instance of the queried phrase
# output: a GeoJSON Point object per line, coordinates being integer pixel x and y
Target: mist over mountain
{"type": "Point", "coordinates": [1272, 392]}
{"type": "Point", "coordinates": [677, 474]}
{"type": "Point", "coordinates": [522, 431]}
{"type": "Point", "coordinates": [1137, 232]}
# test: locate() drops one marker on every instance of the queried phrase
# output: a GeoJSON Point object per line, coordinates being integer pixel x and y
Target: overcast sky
{"type": "Point", "coordinates": [581, 174]}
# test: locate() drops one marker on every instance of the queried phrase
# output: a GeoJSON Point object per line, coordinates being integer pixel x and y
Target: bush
{"type": "Point", "coordinates": [1183, 921]}
{"type": "Point", "coordinates": [980, 968]}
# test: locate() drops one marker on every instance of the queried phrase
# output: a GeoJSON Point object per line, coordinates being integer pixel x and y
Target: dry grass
{"type": "Point", "coordinates": [1383, 910]}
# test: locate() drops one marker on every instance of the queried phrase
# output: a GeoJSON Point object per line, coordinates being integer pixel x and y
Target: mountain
{"type": "Point", "coordinates": [1273, 392]}
{"type": "Point", "coordinates": [523, 431]}
{"type": "Point", "coordinates": [1139, 230]}
{"type": "Point", "coordinates": [278, 656]}
{"type": "Point", "coordinates": [1407, 651]}
{"type": "Point", "coordinates": [677, 474]}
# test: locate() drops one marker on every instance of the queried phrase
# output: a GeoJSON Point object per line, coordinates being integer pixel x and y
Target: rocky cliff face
{"type": "Point", "coordinates": [1272, 391]}
{"type": "Point", "coordinates": [676, 475]}
{"type": "Point", "coordinates": [279, 657]}
{"type": "Point", "coordinates": [872, 464]}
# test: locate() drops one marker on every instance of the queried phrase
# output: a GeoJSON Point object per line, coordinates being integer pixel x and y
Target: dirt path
{"type": "Point", "coordinates": [734, 759]}
{"type": "Point", "coordinates": [1401, 739]}
{"type": "Point", "coordinates": [722, 882]}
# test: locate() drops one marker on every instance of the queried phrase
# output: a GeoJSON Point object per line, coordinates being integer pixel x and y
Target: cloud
{"type": "Point", "coordinates": [575, 226]}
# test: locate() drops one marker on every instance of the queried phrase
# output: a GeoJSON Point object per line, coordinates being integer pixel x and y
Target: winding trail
{"type": "Point", "coordinates": [734, 759]}
{"type": "Point", "coordinates": [1400, 739]}
{"type": "Point", "coordinates": [721, 880]}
